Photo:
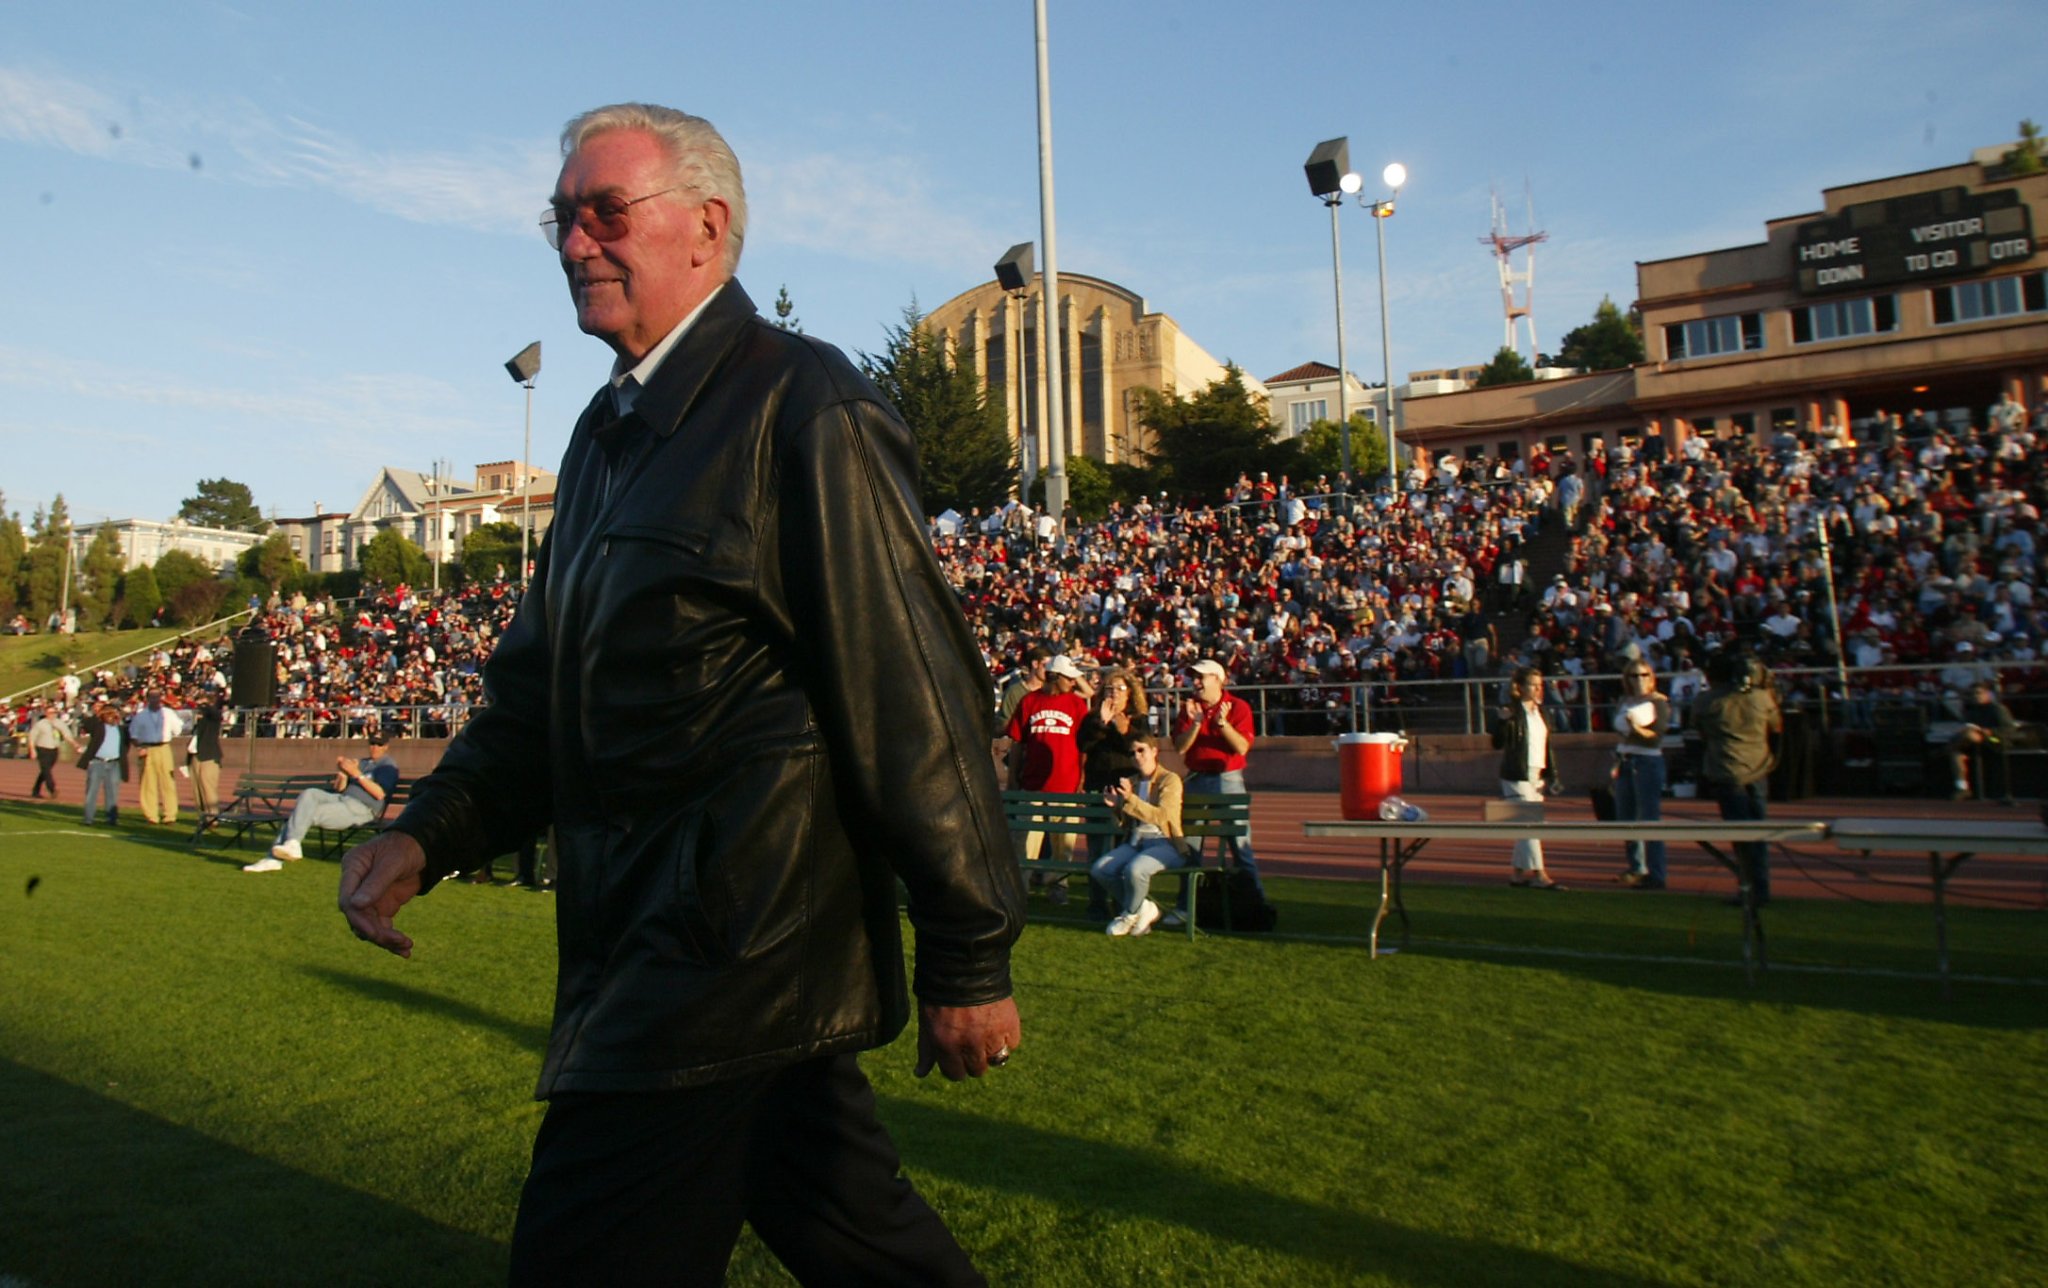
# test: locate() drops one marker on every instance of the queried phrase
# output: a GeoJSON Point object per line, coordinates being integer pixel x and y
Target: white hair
{"type": "Point", "coordinates": [702, 161]}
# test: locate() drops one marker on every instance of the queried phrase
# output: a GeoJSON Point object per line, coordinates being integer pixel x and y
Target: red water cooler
{"type": "Point", "coordinates": [1368, 771]}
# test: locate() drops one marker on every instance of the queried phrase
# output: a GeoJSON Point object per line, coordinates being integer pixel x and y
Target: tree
{"type": "Point", "coordinates": [42, 578]}
{"type": "Point", "coordinates": [1507, 368]}
{"type": "Point", "coordinates": [1322, 449]}
{"type": "Point", "coordinates": [489, 547]}
{"type": "Point", "coordinates": [13, 556]}
{"type": "Point", "coordinates": [1609, 341]}
{"type": "Point", "coordinates": [271, 561]}
{"type": "Point", "coordinates": [99, 578]}
{"type": "Point", "coordinates": [1206, 440]}
{"type": "Point", "coordinates": [223, 503]}
{"type": "Point", "coordinates": [785, 309]}
{"type": "Point", "coordinates": [174, 570]}
{"type": "Point", "coordinates": [140, 597]}
{"type": "Point", "coordinates": [389, 558]}
{"type": "Point", "coordinates": [2028, 156]}
{"type": "Point", "coordinates": [965, 457]}
{"type": "Point", "coordinates": [196, 602]}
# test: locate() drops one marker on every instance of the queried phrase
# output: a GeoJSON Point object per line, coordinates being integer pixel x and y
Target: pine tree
{"type": "Point", "coordinates": [785, 308]}
{"type": "Point", "coordinates": [965, 456]}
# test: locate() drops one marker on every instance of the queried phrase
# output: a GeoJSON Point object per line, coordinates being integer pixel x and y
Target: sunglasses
{"type": "Point", "coordinates": [603, 217]}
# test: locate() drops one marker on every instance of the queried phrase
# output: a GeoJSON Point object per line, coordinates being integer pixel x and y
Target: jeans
{"type": "Point", "coordinates": [1745, 804]}
{"type": "Point", "coordinates": [1127, 871]}
{"type": "Point", "coordinates": [1228, 783]}
{"type": "Point", "coordinates": [103, 780]}
{"type": "Point", "coordinates": [1639, 798]}
{"type": "Point", "coordinates": [318, 807]}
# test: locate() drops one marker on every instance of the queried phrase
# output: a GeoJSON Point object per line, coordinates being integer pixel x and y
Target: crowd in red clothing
{"type": "Point", "coordinates": [1933, 531]}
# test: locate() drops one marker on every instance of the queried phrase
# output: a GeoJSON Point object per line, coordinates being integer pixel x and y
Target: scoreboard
{"type": "Point", "coordinates": [1945, 233]}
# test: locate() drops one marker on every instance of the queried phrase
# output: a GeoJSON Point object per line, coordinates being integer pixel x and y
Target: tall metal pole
{"type": "Point", "coordinates": [526, 485]}
{"type": "Point", "coordinates": [1827, 568]}
{"type": "Point", "coordinates": [1381, 212]}
{"type": "Point", "coordinates": [434, 550]}
{"type": "Point", "coordinates": [1049, 299]}
{"type": "Point", "coordinates": [1333, 201]}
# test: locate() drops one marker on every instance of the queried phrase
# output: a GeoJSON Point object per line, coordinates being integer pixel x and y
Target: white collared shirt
{"type": "Point", "coordinates": [627, 383]}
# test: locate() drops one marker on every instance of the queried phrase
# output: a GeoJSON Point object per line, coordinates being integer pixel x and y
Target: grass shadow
{"type": "Point", "coordinates": [529, 1037]}
{"type": "Point", "coordinates": [1007, 1157]}
{"type": "Point", "coordinates": [96, 1192]}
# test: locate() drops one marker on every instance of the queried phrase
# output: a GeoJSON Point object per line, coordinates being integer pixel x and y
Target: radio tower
{"type": "Point", "coordinates": [1504, 245]}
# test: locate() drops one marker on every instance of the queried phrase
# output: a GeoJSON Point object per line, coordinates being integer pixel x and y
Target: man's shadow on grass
{"type": "Point", "coordinates": [529, 1037]}
{"type": "Point", "coordinates": [1004, 1157]}
{"type": "Point", "coordinates": [93, 1191]}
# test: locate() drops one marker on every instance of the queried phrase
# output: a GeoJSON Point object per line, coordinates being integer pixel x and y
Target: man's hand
{"type": "Point", "coordinates": [377, 878]}
{"type": "Point", "coordinates": [963, 1041]}
{"type": "Point", "coordinates": [343, 765]}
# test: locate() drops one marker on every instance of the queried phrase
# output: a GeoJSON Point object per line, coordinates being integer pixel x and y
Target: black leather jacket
{"type": "Point", "coordinates": [743, 693]}
{"type": "Point", "coordinates": [1510, 732]}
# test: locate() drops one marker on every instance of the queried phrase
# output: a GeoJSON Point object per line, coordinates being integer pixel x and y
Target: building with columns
{"type": "Point", "coordinates": [1921, 291]}
{"type": "Point", "coordinates": [1111, 345]}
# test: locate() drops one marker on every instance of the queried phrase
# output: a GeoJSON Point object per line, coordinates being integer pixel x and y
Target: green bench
{"type": "Point", "coordinates": [267, 799]}
{"type": "Point", "coordinates": [1082, 814]}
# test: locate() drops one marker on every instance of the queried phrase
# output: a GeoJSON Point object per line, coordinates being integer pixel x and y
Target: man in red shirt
{"type": "Point", "coordinates": [1047, 725]}
{"type": "Point", "coordinates": [1213, 732]}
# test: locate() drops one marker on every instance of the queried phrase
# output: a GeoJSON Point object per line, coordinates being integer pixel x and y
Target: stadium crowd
{"type": "Point", "coordinates": [1933, 529]}
{"type": "Point", "coordinates": [396, 657]}
{"type": "Point", "coordinates": [1662, 554]}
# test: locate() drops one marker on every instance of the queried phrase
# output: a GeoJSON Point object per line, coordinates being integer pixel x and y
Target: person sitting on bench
{"type": "Point", "coordinates": [360, 789]}
{"type": "Point", "coordinates": [1150, 803]}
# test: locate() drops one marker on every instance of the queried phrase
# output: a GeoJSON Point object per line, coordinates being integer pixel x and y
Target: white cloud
{"type": "Point", "coordinates": [498, 187]}
{"type": "Point", "coordinates": [880, 209]}
{"type": "Point", "coordinates": [393, 408]}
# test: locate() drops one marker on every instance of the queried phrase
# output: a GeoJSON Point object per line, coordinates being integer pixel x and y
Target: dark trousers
{"type": "Point", "coordinates": [652, 1188]}
{"type": "Point", "coordinates": [1745, 804]}
{"type": "Point", "coordinates": [46, 760]}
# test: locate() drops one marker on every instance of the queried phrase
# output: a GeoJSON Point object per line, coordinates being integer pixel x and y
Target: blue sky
{"type": "Point", "coordinates": [290, 243]}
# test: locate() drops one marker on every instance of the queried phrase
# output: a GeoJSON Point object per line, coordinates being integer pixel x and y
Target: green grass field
{"type": "Point", "coordinates": [206, 1080]}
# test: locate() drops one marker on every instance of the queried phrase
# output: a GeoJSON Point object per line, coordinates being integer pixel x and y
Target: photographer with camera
{"type": "Point", "coordinates": [1737, 716]}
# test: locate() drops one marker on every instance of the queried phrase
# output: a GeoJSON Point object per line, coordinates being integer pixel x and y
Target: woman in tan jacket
{"type": "Point", "coordinates": [1150, 803]}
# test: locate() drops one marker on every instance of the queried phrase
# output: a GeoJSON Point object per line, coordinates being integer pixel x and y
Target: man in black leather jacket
{"type": "Point", "coordinates": [742, 693]}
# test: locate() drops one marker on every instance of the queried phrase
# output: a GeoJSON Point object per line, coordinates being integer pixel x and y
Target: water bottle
{"type": "Point", "coordinates": [1395, 810]}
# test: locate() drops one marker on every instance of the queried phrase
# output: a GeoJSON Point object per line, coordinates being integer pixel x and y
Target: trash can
{"type": "Point", "coordinates": [1368, 771]}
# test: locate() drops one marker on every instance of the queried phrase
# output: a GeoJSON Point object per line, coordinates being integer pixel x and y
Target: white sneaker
{"type": "Point", "coordinates": [286, 850]}
{"type": "Point", "coordinates": [1148, 916]}
{"type": "Point", "coordinates": [264, 865]}
{"type": "Point", "coordinates": [1174, 920]}
{"type": "Point", "coordinates": [1122, 925]}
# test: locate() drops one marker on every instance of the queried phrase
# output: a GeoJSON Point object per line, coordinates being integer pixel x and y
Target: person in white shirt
{"type": "Point", "coordinates": [1523, 737]}
{"type": "Point", "coordinates": [152, 730]}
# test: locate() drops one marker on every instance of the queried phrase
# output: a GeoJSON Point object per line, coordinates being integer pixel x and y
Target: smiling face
{"type": "Point", "coordinates": [1147, 757]}
{"type": "Point", "coordinates": [631, 291]}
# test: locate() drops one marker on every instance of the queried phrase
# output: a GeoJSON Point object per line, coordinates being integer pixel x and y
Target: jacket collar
{"type": "Point", "coordinates": [682, 376]}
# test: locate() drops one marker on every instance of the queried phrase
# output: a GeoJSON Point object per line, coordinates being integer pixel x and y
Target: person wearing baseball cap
{"type": "Point", "coordinates": [361, 786]}
{"type": "Point", "coordinates": [1213, 734]}
{"type": "Point", "coordinates": [1047, 727]}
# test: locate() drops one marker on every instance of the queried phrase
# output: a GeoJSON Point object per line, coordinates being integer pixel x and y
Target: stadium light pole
{"type": "Point", "coordinates": [1049, 301]}
{"type": "Point", "coordinates": [523, 367]}
{"type": "Point", "coordinates": [1330, 179]}
{"type": "Point", "coordinates": [1394, 176]}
